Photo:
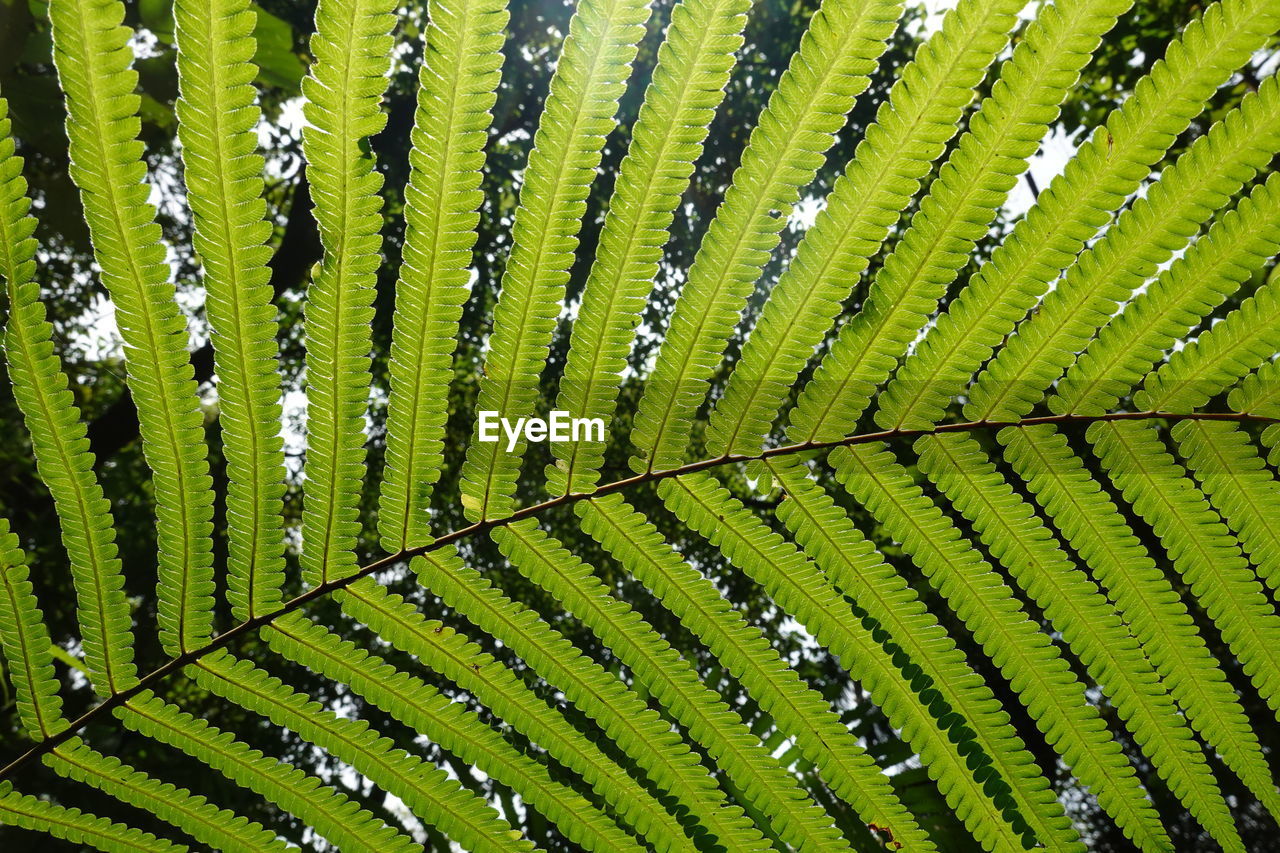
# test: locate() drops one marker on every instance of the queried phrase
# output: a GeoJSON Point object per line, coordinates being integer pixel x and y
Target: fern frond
{"type": "Point", "coordinates": [329, 812]}
{"type": "Point", "coordinates": [92, 56]}
{"type": "Point", "coordinates": [638, 731]}
{"type": "Point", "coordinates": [70, 824]}
{"type": "Point", "coordinates": [911, 131]}
{"type": "Point", "coordinates": [427, 711]}
{"type": "Point", "coordinates": [1202, 549]}
{"type": "Point", "coordinates": [1230, 470]}
{"type": "Point", "coordinates": [24, 639]}
{"type": "Point", "coordinates": [442, 650]}
{"type": "Point", "coordinates": [218, 828]}
{"type": "Point", "coordinates": [1109, 167]}
{"type": "Point", "coordinates": [672, 680]}
{"type": "Point", "coordinates": [688, 84]}
{"type": "Point", "coordinates": [352, 48]}
{"type": "Point", "coordinates": [1237, 244]}
{"type": "Point", "coordinates": [798, 711]}
{"type": "Point", "coordinates": [459, 813]}
{"type": "Point", "coordinates": [1260, 393]}
{"type": "Point", "coordinates": [1000, 811]}
{"type": "Point", "coordinates": [856, 570]}
{"type": "Point", "coordinates": [972, 184]}
{"type": "Point", "coordinates": [1089, 624]}
{"type": "Point", "coordinates": [423, 707]}
{"type": "Point", "coordinates": [859, 571]}
{"type": "Point", "coordinates": [457, 80]}
{"type": "Point", "coordinates": [1142, 238]}
{"type": "Point", "coordinates": [59, 440]}
{"type": "Point", "coordinates": [1050, 691]}
{"type": "Point", "coordinates": [623, 743]}
{"type": "Point", "coordinates": [1213, 362]}
{"type": "Point", "coordinates": [217, 121]}
{"type": "Point", "coordinates": [589, 79]}
{"type": "Point", "coordinates": [832, 67]}
{"type": "Point", "coordinates": [27, 647]}
{"type": "Point", "coordinates": [1235, 478]}
{"type": "Point", "coordinates": [1144, 597]}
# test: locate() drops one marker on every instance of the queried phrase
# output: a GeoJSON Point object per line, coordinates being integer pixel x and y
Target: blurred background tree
{"type": "Point", "coordinates": [91, 350]}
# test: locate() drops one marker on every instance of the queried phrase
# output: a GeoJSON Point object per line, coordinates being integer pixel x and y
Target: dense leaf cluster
{"type": "Point", "coordinates": [1021, 490]}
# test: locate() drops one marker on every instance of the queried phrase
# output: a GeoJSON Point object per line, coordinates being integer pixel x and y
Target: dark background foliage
{"type": "Point", "coordinates": [84, 332]}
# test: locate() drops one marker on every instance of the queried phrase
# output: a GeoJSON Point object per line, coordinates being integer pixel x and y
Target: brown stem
{"type": "Point", "coordinates": [187, 658]}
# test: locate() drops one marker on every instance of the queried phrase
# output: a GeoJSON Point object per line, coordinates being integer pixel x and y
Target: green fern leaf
{"type": "Point", "coordinates": [1214, 267]}
{"type": "Point", "coordinates": [964, 774]}
{"type": "Point", "coordinates": [456, 92]}
{"type": "Point", "coordinates": [995, 616]}
{"type": "Point", "coordinates": [1237, 483]}
{"type": "Point", "coordinates": [352, 46]}
{"type": "Point", "coordinates": [92, 56]}
{"type": "Point", "coordinates": [462, 815]}
{"type": "Point", "coordinates": [333, 815]}
{"type": "Point", "coordinates": [1219, 358]}
{"type": "Point", "coordinates": [1092, 629]}
{"type": "Point", "coordinates": [1202, 549]}
{"type": "Point", "coordinates": [217, 117]}
{"type": "Point", "coordinates": [637, 730]}
{"type": "Point", "coordinates": [419, 705]}
{"type": "Point", "coordinates": [1260, 394]}
{"type": "Point", "coordinates": [797, 710]}
{"type": "Point", "coordinates": [441, 649]}
{"type": "Point", "coordinates": [973, 182]}
{"type": "Point", "coordinates": [911, 131]}
{"type": "Point", "coordinates": [1154, 611]}
{"type": "Point", "coordinates": [589, 80]}
{"type": "Point", "coordinates": [1142, 238]}
{"type": "Point", "coordinates": [669, 723]}
{"type": "Point", "coordinates": [58, 438]}
{"type": "Point", "coordinates": [688, 83]}
{"type": "Point", "coordinates": [73, 825]}
{"type": "Point", "coordinates": [832, 67]}
{"type": "Point", "coordinates": [882, 598]}
{"type": "Point", "coordinates": [26, 643]}
{"type": "Point", "coordinates": [218, 828]}
{"type": "Point", "coordinates": [672, 680]}
{"type": "Point", "coordinates": [1108, 168]}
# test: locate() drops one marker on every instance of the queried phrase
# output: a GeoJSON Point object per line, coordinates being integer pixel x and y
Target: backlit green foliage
{"type": "Point", "coordinates": [1071, 561]}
